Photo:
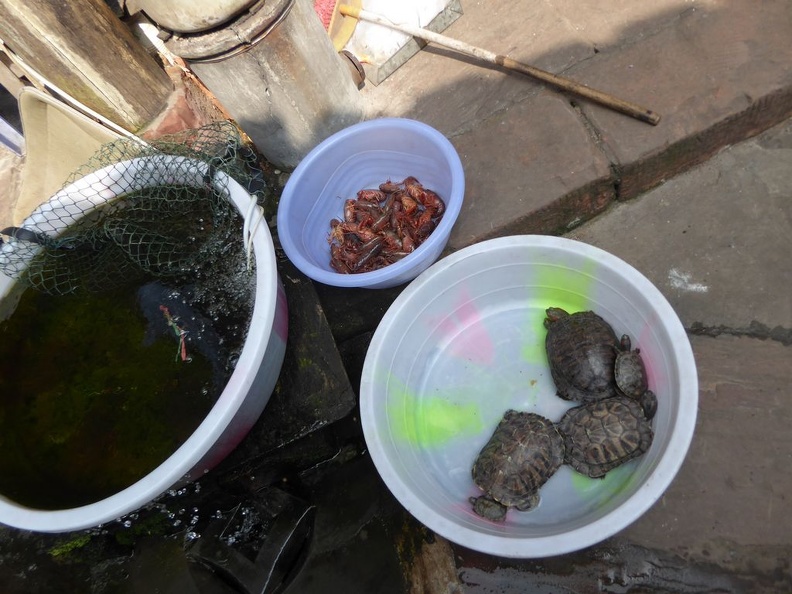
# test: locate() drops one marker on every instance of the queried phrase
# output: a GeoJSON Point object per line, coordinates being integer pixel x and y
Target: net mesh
{"type": "Point", "coordinates": [154, 210]}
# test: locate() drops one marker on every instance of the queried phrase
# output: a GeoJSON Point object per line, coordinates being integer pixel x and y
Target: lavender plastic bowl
{"type": "Point", "coordinates": [358, 157]}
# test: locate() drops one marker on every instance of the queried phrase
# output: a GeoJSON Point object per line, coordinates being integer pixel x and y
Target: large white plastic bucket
{"type": "Point", "coordinates": [464, 342]}
{"type": "Point", "coordinates": [249, 388]}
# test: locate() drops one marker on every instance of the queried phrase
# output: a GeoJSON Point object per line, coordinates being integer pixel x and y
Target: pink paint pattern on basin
{"type": "Point", "coordinates": [281, 323]}
{"type": "Point", "coordinates": [477, 346]}
{"type": "Point", "coordinates": [655, 380]}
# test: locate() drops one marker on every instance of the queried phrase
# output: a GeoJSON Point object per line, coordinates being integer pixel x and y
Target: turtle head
{"type": "Point", "coordinates": [553, 315]}
{"type": "Point", "coordinates": [626, 343]}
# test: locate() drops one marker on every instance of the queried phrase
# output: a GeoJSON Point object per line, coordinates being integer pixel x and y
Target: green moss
{"type": "Point", "coordinates": [69, 546]}
{"type": "Point", "coordinates": [154, 524]}
{"type": "Point", "coordinates": [88, 406]}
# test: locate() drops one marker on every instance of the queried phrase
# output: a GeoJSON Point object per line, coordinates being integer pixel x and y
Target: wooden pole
{"type": "Point", "coordinates": [561, 83]}
{"type": "Point", "coordinates": [84, 49]}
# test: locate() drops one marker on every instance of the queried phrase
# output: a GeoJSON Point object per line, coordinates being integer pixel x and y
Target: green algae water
{"type": "Point", "coordinates": [97, 390]}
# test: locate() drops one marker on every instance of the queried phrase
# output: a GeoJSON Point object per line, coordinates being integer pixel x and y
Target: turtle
{"type": "Point", "coordinates": [630, 376]}
{"type": "Point", "coordinates": [581, 351]}
{"type": "Point", "coordinates": [524, 451]}
{"type": "Point", "coordinates": [601, 435]}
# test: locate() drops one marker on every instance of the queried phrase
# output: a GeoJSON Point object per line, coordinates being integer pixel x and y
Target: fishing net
{"type": "Point", "coordinates": [138, 210]}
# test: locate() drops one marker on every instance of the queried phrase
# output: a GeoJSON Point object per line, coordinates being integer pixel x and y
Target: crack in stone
{"type": "Point", "coordinates": [603, 147]}
{"type": "Point", "coordinates": [754, 330]}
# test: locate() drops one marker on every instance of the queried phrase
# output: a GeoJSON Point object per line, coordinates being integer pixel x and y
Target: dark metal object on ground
{"type": "Point", "coordinates": [283, 548]}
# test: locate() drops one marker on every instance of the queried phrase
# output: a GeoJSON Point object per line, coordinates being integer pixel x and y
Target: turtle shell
{"type": "Point", "coordinates": [581, 352]}
{"type": "Point", "coordinates": [601, 435]}
{"type": "Point", "coordinates": [524, 451]}
{"type": "Point", "coordinates": [630, 376]}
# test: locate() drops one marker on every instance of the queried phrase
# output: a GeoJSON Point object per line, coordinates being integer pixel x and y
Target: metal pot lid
{"type": "Point", "coordinates": [245, 30]}
{"type": "Point", "coordinates": [191, 16]}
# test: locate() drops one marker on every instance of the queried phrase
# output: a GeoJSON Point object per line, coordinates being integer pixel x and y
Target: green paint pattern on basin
{"type": "Point", "coordinates": [613, 483]}
{"type": "Point", "coordinates": [431, 421]}
{"type": "Point", "coordinates": [554, 286]}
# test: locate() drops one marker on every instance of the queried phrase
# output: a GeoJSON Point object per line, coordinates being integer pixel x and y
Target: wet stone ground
{"type": "Point", "coordinates": [298, 493]}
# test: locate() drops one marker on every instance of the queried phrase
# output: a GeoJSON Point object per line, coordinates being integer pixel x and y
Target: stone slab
{"type": "Point", "coordinates": [609, 25]}
{"type": "Point", "coordinates": [716, 240]}
{"type": "Point", "coordinates": [529, 169]}
{"type": "Point", "coordinates": [453, 92]}
{"type": "Point", "coordinates": [356, 540]}
{"type": "Point", "coordinates": [734, 483]}
{"type": "Point", "coordinates": [718, 75]}
{"type": "Point", "coordinates": [312, 392]}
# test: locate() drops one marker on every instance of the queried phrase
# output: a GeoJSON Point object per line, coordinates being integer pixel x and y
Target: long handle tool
{"type": "Point", "coordinates": [561, 83]}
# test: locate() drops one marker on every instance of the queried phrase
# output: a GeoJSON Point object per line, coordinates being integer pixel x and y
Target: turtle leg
{"type": "Point", "coordinates": [648, 402]}
{"type": "Point", "coordinates": [528, 503]}
{"type": "Point", "coordinates": [589, 470]}
{"type": "Point", "coordinates": [488, 508]}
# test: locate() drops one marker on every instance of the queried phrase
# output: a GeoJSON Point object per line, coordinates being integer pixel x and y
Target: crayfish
{"type": "Point", "coordinates": [383, 225]}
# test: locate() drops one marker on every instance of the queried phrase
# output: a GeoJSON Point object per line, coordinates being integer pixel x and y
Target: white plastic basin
{"type": "Point", "coordinates": [248, 389]}
{"type": "Point", "coordinates": [464, 342]}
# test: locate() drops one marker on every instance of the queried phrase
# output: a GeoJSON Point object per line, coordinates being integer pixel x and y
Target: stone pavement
{"type": "Point", "coordinates": [715, 241]}
{"type": "Point", "coordinates": [709, 223]}
{"type": "Point", "coordinates": [537, 162]}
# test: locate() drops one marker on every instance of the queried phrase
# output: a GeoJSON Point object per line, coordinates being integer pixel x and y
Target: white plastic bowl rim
{"type": "Point", "coordinates": [199, 449]}
{"type": "Point", "coordinates": [552, 544]}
